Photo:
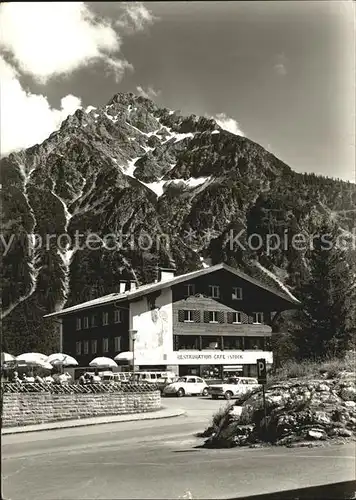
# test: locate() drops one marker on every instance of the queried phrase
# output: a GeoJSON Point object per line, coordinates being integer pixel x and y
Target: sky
{"type": "Point", "coordinates": [280, 73]}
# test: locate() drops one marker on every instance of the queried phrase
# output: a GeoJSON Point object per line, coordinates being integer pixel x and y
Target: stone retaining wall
{"type": "Point", "coordinates": [37, 408]}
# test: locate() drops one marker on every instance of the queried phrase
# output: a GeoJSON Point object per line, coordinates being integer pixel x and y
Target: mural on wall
{"type": "Point", "coordinates": [153, 334]}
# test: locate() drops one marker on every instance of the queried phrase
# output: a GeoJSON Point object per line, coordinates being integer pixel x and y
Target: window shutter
{"type": "Point", "coordinates": [196, 316]}
{"type": "Point", "coordinates": [180, 315]}
{"type": "Point", "coordinates": [206, 317]}
{"type": "Point", "coordinates": [175, 343]}
{"type": "Point", "coordinates": [220, 317]}
{"type": "Point", "coordinates": [230, 317]}
{"type": "Point", "coordinates": [244, 318]}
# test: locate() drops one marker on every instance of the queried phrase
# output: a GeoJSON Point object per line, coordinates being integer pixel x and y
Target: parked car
{"type": "Point", "coordinates": [160, 378]}
{"type": "Point", "coordinates": [233, 387]}
{"type": "Point", "coordinates": [188, 385]}
{"type": "Point", "coordinates": [107, 376]}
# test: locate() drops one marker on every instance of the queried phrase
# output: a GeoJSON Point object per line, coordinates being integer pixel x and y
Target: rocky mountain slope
{"type": "Point", "coordinates": [150, 186]}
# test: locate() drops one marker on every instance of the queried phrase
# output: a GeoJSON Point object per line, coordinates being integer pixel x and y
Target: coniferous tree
{"type": "Point", "coordinates": [327, 320]}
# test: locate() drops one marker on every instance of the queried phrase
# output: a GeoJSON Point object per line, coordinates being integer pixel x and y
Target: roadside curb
{"type": "Point", "coordinates": [113, 419]}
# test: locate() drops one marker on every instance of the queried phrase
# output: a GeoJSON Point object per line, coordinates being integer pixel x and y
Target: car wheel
{"type": "Point", "coordinates": [228, 395]}
{"type": "Point", "coordinates": [180, 392]}
{"type": "Point", "coordinates": [205, 392]}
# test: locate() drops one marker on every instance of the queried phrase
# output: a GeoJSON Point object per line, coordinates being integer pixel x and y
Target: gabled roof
{"type": "Point", "coordinates": [153, 287]}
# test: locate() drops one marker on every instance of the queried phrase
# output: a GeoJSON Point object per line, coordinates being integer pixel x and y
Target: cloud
{"type": "Point", "coordinates": [26, 118]}
{"type": "Point", "coordinates": [135, 17]}
{"type": "Point", "coordinates": [48, 40]}
{"type": "Point", "coordinates": [280, 66]}
{"type": "Point", "coordinates": [150, 93]}
{"type": "Point", "coordinates": [228, 123]}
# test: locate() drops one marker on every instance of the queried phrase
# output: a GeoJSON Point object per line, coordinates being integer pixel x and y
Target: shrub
{"type": "Point", "coordinates": [331, 368]}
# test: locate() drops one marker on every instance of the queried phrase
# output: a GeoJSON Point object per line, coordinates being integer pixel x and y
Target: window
{"type": "Point", "coordinates": [237, 317]}
{"type": "Point", "coordinates": [86, 346]}
{"type": "Point", "coordinates": [213, 317]}
{"type": "Point", "coordinates": [189, 342]}
{"type": "Point", "coordinates": [189, 290]}
{"type": "Point", "coordinates": [105, 318]}
{"type": "Point", "coordinates": [94, 346]}
{"type": "Point", "coordinates": [117, 316]}
{"type": "Point", "coordinates": [211, 342]}
{"type": "Point", "coordinates": [254, 343]}
{"type": "Point", "coordinates": [79, 323]}
{"type": "Point", "coordinates": [188, 316]}
{"type": "Point", "coordinates": [78, 347]}
{"type": "Point", "coordinates": [86, 322]}
{"type": "Point", "coordinates": [233, 343]}
{"type": "Point", "coordinates": [237, 293]}
{"type": "Point", "coordinates": [257, 318]}
{"type": "Point", "coordinates": [214, 291]}
{"type": "Point", "coordinates": [93, 320]}
{"type": "Point", "coordinates": [117, 344]}
{"type": "Point", "coordinates": [106, 345]}
{"type": "Point", "coordinates": [191, 380]}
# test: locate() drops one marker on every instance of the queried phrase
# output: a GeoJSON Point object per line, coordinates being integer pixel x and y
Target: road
{"type": "Point", "coordinates": [158, 460]}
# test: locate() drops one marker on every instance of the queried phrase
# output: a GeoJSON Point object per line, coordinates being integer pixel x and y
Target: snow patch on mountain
{"type": "Point", "coordinates": [130, 169]}
{"type": "Point", "coordinates": [175, 135]}
{"type": "Point", "coordinates": [156, 187]}
{"type": "Point", "coordinates": [196, 181]}
{"type": "Point", "coordinates": [112, 118]}
{"type": "Point", "coordinates": [33, 272]}
{"type": "Point", "coordinates": [147, 148]}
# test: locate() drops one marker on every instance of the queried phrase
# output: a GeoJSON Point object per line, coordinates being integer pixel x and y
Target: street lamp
{"type": "Point", "coordinates": [133, 334]}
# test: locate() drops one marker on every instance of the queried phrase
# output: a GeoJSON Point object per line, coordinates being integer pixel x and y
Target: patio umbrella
{"type": "Point", "coordinates": [124, 356]}
{"type": "Point", "coordinates": [32, 359]}
{"type": "Point", "coordinates": [102, 362]}
{"type": "Point", "coordinates": [29, 358]}
{"type": "Point", "coordinates": [7, 358]}
{"type": "Point", "coordinates": [60, 359]}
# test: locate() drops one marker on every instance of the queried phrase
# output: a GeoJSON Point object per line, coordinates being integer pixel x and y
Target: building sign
{"type": "Point", "coordinates": [210, 357]}
{"type": "Point", "coordinates": [213, 357]}
{"type": "Point", "coordinates": [261, 371]}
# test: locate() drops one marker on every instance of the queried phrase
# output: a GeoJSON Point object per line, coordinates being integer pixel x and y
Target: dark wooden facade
{"type": "Point", "coordinates": [99, 332]}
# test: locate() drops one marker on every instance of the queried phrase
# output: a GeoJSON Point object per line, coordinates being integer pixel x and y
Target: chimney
{"type": "Point", "coordinates": [166, 273]}
{"type": "Point", "coordinates": [122, 286]}
{"type": "Point", "coordinates": [132, 286]}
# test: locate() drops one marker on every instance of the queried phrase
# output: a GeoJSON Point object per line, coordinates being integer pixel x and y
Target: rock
{"type": "Point", "coordinates": [348, 393]}
{"type": "Point", "coordinates": [323, 387]}
{"type": "Point", "coordinates": [287, 440]}
{"type": "Point", "coordinates": [322, 417]}
{"type": "Point", "coordinates": [304, 444]}
{"type": "Point", "coordinates": [343, 432]}
{"type": "Point", "coordinates": [350, 404]}
{"type": "Point", "coordinates": [274, 399]}
{"type": "Point", "coordinates": [316, 434]}
{"type": "Point", "coordinates": [236, 411]}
